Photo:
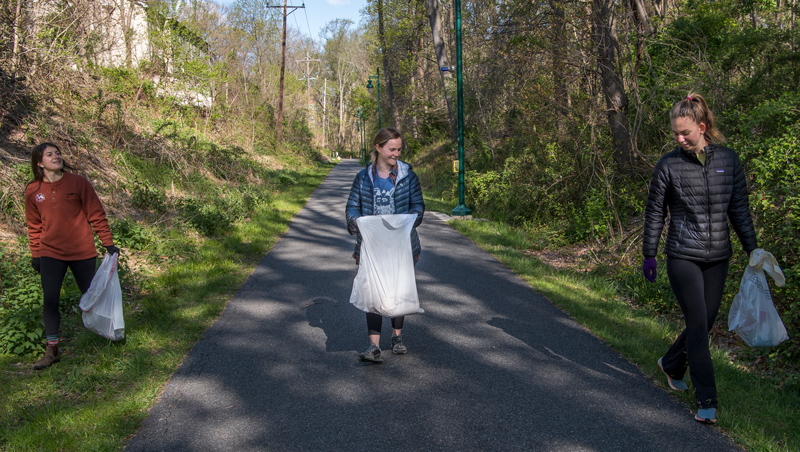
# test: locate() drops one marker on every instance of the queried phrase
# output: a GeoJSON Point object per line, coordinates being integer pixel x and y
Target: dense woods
{"type": "Point", "coordinates": [566, 112]}
{"type": "Point", "coordinates": [566, 104]}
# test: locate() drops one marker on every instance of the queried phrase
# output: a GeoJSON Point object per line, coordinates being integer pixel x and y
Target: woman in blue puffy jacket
{"type": "Point", "coordinates": [701, 185]}
{"type": "Point", "coordinates": [386, 186]}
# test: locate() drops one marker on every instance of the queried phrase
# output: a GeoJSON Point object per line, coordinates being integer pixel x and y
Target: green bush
{"type": "Point", "coordinates": [255, 198]}
{"type": "Point", "coordinates": [770, 152]}
{"type": "Point", "coordinates": [206, 218]}
{"type": "Point", "coordinates": [286, 180]}
{"type": "Point", "coordinates": [146, 197]}
{"type": "Point", "coordinates": [21, 328]}
{"type": "Point", "coordinates": [130, 235]}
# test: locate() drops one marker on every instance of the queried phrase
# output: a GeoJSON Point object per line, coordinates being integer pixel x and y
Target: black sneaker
{"type": "Point", "coordinates": [372, 354]}
{"type": "Point", "coordinates": [397, 345]}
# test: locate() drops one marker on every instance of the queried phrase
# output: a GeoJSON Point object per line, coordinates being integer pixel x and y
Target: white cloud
{"type": "Point", "coordinates": [338, 2]}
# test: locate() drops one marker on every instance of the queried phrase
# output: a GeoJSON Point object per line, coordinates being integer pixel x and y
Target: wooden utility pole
{"type": "Point", "coordinates": [324, 110]}
{"type": "Point", "coordinates": [279, 124]}
{"type": "Point", "coordinates": [308, 61]}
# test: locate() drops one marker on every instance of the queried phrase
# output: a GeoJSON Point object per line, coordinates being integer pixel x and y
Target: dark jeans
{"type": "Point", "coordinates": [374, 322]}
{"type": "Point", "coordinates": [53, 272]}
{"type": "Point", "coordinates": [698, 287]}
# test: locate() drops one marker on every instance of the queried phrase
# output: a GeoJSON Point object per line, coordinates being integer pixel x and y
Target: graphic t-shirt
{"type": "Point", "coordinates": [384, 195]}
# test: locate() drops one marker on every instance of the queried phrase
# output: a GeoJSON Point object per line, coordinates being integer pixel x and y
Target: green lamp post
{"type": "Point", "coordinates": [363, 136]}
{"type": "Point", "coordinates": [360, 127]}
{"type": "Point", "coordinates": [461, 209]}
{"type": "Point", "coordinates": [370, 87]}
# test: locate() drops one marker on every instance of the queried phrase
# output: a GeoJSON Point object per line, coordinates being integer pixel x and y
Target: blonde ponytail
{"type": "Point", "coordinates": [695, 107]}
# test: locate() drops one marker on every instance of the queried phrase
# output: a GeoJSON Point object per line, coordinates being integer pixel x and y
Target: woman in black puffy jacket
{"type": "Point", "coordinates": [386, 186]}
{"type": "Point", "coordinates": [702, 186]}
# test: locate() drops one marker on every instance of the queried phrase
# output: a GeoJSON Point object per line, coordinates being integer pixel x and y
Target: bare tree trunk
{"type": "Point", "coordinates": [793, 46]}
{"type": "Point", "coordinates": [640, 17]}
{"type": "Point", "coordinates": [15, 49]}
{"type": "Point", "coordinates": [557, 52]}
{"type": "Point", "coordinates": [613, 89]}
{"type": "Point", "coordinates": [451, 20]}
{"type": "Point", "coordinates": [441, 59]}
{"type": "Point", "coordinates": [126, 15]}
{"type": "Point", "coordinates": [662, 9]}
{"type": "Point", "coordinates": [389, 86]}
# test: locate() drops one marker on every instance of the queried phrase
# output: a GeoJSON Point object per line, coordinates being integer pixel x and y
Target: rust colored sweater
{"type": "Point", "coordinates": [60, 217]}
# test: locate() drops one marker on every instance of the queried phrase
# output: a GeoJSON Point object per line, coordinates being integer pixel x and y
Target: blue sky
{"type": "Point", "coordinates": [318, 13]}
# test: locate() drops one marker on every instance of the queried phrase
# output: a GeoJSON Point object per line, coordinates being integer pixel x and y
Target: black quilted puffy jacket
{"type": "Point", "coordinates": [407, 199]}
{"type": "Point", "coordinates": [700, 201]}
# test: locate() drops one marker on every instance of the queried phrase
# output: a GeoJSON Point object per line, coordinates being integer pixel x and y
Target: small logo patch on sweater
{"type": "Point", "coordinates": [720, 170]}
{"type": "Point", "coordinates": [39, 197]}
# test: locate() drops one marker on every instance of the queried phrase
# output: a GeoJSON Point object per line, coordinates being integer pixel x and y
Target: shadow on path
{"type": "Point", "coordinates": [492, 365]}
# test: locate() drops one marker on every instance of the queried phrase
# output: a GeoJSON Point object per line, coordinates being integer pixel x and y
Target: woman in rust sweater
{"type": "Point", "coordinates": [63, 213]}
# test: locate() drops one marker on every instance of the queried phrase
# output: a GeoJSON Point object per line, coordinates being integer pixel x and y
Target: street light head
{"type": "Point", "coordinates": [369, 86]}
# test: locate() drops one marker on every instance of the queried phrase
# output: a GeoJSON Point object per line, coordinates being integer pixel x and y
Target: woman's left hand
{"type": "Point", "coordinates": [352, 226]}
{"type": "Point", "coordinates": [649, 269]}
{"type": "Point", "coordinates": [111, 249]}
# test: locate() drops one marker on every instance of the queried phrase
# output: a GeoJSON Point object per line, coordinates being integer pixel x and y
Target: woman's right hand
{"type": "Point", "coordinates": [36, 264]}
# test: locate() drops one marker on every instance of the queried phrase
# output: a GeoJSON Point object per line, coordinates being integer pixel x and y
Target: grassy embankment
{"type": "Point", "coordinates": [754, 411]}
{"type": "Point", "coordinates": [95, 398]}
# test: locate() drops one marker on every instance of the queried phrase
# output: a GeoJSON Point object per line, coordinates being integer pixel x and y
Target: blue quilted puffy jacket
{"type": "Point", "coordinates": [407, 199]}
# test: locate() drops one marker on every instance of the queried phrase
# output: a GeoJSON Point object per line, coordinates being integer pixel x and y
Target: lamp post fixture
{"type": "Point", "coordinates": [461, 209]}
{"type": "Point", "coordinates": [369, 88]}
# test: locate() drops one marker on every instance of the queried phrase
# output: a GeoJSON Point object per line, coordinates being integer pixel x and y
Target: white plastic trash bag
{"type": "Point", "coordinates": [753, 315]}
{"type": "Point", "coordinates": [385, 283]}
{"type": "Point", "coordinates": [102, 303]}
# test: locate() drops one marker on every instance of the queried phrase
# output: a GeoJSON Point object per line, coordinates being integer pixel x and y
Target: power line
{"type": "Point", "coordinates": [308, 24]}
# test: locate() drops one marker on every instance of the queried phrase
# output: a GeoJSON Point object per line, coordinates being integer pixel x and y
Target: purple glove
{"type": "Point", "coordinates": [649, 268]}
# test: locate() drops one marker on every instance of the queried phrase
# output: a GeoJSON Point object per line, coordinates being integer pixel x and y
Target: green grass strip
{"type": "Point", "coordinates": [755, 413]}
{"type": "Point", "coordinates": [96, 397]}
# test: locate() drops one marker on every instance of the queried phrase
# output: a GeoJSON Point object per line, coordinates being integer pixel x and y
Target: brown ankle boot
{"type": "Point", "coordinates": [50, 356]}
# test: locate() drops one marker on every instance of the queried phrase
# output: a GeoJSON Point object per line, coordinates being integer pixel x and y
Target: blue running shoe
{"type": "Point", "coordinates": [678, 385]}
{"type": "Point", "coordinates": [706, 415]}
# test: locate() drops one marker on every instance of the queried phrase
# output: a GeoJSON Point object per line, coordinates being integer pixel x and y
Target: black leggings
{"type": "Point", "coordinates": [374, 322]}
{"type": "Point", "coordinates": [698, 287]}
{"type": "Point", "coordinates": [53, 272]}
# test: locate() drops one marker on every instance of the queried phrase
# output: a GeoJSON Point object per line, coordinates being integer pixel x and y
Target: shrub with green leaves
{"type": "Point", "coordinates": [146, 197]}
{"type": "Point", "coordinates": [21, 328]}
{"type": "Point", "coordinates": [207, 218]}
{"type": "Point", "coordinates": [130, 235]}
{"type": "Point", "coordinates": [770, 150]}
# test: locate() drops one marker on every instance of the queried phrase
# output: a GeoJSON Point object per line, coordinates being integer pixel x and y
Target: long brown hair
{"type": "Point", "coordinates": [696, 108]}
{"type": "Point", "coordinates": [381, 138]}
{"type": "Point", "coordinates": [36, 159]}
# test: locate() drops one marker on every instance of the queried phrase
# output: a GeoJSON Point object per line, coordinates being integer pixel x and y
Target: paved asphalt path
{"type": "Point", "coordinates": [492, 365]}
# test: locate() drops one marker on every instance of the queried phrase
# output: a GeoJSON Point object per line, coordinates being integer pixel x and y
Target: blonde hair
{"type": "Point", "coordinates": [696, 108]}
{"type": "Point", "coordinates": [381, 138]}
